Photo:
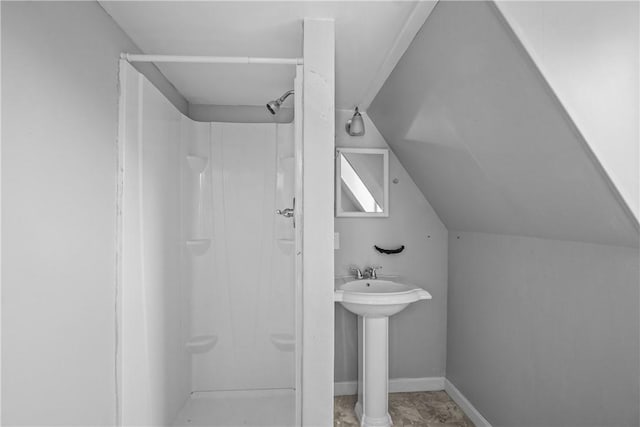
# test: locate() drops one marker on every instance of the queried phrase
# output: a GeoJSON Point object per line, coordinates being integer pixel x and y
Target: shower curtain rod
{"type": "Point", "coordinates": [131, 57]}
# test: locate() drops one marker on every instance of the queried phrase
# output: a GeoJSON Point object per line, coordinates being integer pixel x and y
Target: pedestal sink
{"type": "Point", "coordinates": [374, 301]}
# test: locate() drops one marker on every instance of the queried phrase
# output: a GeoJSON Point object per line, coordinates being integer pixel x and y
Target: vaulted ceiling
{"type": "Point", "coordinates": [485, 139]}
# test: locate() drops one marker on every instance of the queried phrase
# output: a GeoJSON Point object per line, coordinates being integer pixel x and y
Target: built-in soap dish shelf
{"type": "Point", "coordinates": [202, 343]}
{"type": "Point", "coordinates": [197, 163]}
{"type": "Point", "coordinates": [198, 246]}
{"type": "Point", "coordinates": [284, 342]}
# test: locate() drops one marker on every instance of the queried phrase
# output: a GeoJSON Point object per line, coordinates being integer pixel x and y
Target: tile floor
{"type": "Point", "coordinates": [424, 408]}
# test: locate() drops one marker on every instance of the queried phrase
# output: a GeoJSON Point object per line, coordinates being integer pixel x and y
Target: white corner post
{"type": "Point", "coordinates": [317, 222]}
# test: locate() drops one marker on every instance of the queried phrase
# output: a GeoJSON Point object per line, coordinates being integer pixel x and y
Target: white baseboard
{"type": "Point", "coordinates": [396, 385]}
{"type": "Point", "coordinates": [345, 388]}
{"type": "Point", "coordinates": [465, 405]}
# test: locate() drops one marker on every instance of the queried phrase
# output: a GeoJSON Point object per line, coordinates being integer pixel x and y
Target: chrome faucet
{"type": "Point", "coordinates": [358, 273]}
{"type": "Point", "coordinates": [370, 272]}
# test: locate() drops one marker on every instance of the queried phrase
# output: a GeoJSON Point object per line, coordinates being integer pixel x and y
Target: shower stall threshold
{"type": "Point", "coordinates": [270, 407]}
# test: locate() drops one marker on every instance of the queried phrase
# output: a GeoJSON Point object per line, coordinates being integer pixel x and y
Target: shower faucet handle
{"type": "Point", "coordinates": [287, 213]}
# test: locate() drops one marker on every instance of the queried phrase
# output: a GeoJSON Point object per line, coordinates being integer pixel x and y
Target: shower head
{"type": "Point", "coordinates": [274, 106]}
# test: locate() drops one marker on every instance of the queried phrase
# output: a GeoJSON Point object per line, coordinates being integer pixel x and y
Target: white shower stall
{"type": "Point", "coordinates": [208, 274]}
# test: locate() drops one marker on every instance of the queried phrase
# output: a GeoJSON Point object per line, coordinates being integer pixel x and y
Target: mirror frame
{"type": "Point", "coordinates": [338, 187]}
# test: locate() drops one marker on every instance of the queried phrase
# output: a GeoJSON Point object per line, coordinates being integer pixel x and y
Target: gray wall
{"type": "Point", "coordinates": [417, 335]}
{"type": "Point", "coordinates": [59, 117]}
{"type": "Point", "coordinates": [544, 332]}
{"type": "Point", "coordinates": [540, 332]}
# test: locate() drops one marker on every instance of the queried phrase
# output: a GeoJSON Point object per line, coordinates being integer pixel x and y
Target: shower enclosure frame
{"type": "Point", "coordinates": [298, 211]}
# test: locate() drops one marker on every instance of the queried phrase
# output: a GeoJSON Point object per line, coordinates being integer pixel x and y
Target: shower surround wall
{"type": "Point", "coordinates": [242, 288]}
{"type": "Point", "coordinates": [206, 271]}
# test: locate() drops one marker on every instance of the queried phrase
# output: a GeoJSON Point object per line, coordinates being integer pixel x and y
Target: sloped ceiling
{"type": "Point", "coordinates": [476, 126]}
{"type": "Point", "coordinates": [595, 45]}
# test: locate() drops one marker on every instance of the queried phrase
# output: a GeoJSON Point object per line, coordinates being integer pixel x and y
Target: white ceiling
{"type": "Point", "coordinates": [366, 35]}
{"type": "Point", "coordinates": [484, 138]}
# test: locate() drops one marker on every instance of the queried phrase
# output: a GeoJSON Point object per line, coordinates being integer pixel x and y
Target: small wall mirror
{"type": "Point", "coordinates": [362, 182]}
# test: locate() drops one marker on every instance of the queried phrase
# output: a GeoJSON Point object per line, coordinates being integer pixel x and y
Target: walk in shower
{"type": "Point", "coordinates": [209, 276]}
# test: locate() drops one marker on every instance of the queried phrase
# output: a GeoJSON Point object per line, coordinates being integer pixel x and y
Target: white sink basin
{"type": "Point", "coordinates": [377, 297]}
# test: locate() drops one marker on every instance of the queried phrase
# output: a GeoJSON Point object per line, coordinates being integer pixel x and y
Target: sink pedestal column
{"type": "Point", "coordinates": [373, 377]}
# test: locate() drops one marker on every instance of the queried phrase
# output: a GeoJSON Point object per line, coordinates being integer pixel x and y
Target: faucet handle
{"type": "Point", "coordinates": [373, 269]}
{"type": "Point", "coordinates": [357, 271]}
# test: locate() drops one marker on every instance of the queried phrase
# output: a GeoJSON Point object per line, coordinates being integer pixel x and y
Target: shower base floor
{"type": "Point", "coordinates": [239, 408]}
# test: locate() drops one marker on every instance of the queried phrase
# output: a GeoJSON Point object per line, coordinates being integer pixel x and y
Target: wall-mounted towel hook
{"type": "Point", "coordinates": [389, 251]}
